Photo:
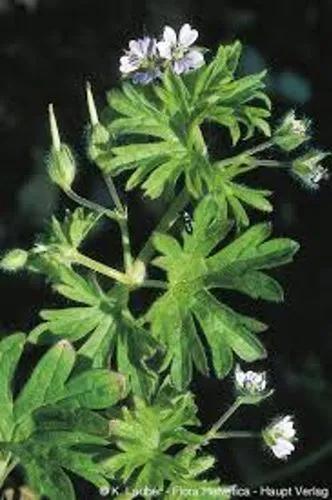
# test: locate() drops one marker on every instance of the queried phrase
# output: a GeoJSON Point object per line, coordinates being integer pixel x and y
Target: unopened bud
{"type": "Point", "coordinates": [91, 105]}
{"type": "Point", "coordinates": [98, 135]}
{"type": "Point", "coordinates": [14, 260]}
{"type": "Point", "coordinates": [137, 272]}
{"type": "Point", "coordinates": [61, 162]}
{"type": "Point", "coordinates": [309, 170]}
{"type": "Point", "coordinates": [291, 133]}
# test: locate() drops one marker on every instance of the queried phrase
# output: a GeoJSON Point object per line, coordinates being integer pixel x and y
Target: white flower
{"type": "Point", "coordinates": [178, 49]}
{"type": "Point", "coordinates": [280, 437]}
{"type": "Point", "coordinates": [140, 61]}
{"type": "Point", "coordinates": [250, 382]}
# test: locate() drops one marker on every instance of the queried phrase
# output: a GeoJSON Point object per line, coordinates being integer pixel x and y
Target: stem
{"type": "Point", "coordinates": [237, 434]}
{"type": "Point", "coordinates": [154, 284]}
{"type": "Point", "coordinates": [123, 221]}
{"type": "Point", "coordinates": [178, 204]}
{"type": "Point", "coordinates": [259, 147]}
{"type": "Point", "coordinates": [211, 434]}
{"type": "Point", "coordinates": [95, 207]}
{"type": "Point", "coordinates": [127, 258]}
{"type": "Point", "coordinates": [270, 163]}
{"type": "Point", "coordinates": [100, 268]}
{"type": "Point", "coordinates": [113, 192]}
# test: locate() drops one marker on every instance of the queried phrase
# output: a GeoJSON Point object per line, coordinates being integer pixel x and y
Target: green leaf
{"type": "Point", "coordinates": [47, 380]}
{"type": "Point", "coordinates": [48, 479]}
{"type": "Point", "coordinates": [109, 330]}
{"type": "Point", "coordinates": [94, 389]}
{"type": "Point", "coordinates": [143, 436]}
{"type": "Point", "coordinates": [50, 425]}
{"type": "Point", "coordinates": [10, 352]}
{"type": "Point", "coordinates": [192, 271]}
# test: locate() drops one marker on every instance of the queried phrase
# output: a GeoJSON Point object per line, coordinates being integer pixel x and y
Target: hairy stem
{"type": "Point", "coordinates": [120, 209]}
{"type": "Point", "coordinates": [259, 148]}
{"type": "Point", "coordinates": [178, 204]}
{"type": "Point", "coordinates": [100, 268]}
{"type": "Point", "coordinates": [113, 192]}
{"type": "Point", "coordinates": [95, 207]}
{"type": "Point", "coordinates": [271, 163]}
{"type": "Point", "coordinates": [237, 435]}
{"type": "Point", "coordinates": [154, 284]}
{"type": "Point", "coordinates": [211, 434]}
{"type": "Point", "coordinates": [123, 221]}
{"type": "Point", "coordinates": [126, 247]}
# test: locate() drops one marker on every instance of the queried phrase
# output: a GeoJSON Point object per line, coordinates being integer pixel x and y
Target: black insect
{"type": "Point", "coordinates": [188, 222]}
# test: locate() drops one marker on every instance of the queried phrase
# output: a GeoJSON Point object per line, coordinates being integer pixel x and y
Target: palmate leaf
{"type": "Point", "coordinates": [168, 117]}
{"type": "Point", "coordinates": [190, 483]}
{"type": "Point", "coordinates": [235, 196]}
{"type": "Point", "coordinates": [109, 332]}
{"type": "Point", "coordinates": [193, 271]}
{"type": "Point", "coordinates": [51, 426]}
{"type": "Point", "coordinates": [145, 436]}
{"type": "Point", "coordinates": [59, 238]}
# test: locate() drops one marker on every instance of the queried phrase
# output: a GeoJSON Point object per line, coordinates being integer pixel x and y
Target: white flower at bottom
{"type": "Point", "coordinates": [280, 436]}
{"type": "Point", "coordinates": [178, 49]}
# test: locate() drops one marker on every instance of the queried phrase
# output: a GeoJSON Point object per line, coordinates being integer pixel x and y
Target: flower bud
{"type": "Point", "coordinates": [14, 260]}
{"type": "Point", "coordinates": [98, 135]}
{"type": "Point", "coordinates": [61, 162]}
{"type": "Point", "coordinates": [137, 272]}
{"type": "Point", "coordinates": [291, 133]}
{"type": "Point", "coordinates": [308, 169]}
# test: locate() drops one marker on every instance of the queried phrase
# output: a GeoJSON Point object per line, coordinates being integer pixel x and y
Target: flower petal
{"type": "Point", "coordinates": [165, 50]}
{"type": "Point", "coordinates": [128, 64]}
{"type": "Point", "coordinates": [187, 36]}
{"type": "Point", "coordinates": [195, 58]}
{"type": "Point", "coordinates": [180, 66]}
{"type": "Point", "coordinates": [135, 46]}
{"type": "Point", "coordinates": [282, 448]}
{"type": "Point", "coordinates": [169, 36]}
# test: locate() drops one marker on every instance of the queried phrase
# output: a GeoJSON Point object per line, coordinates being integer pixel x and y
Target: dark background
{"type": "Point", "coordinates": [48, 48]}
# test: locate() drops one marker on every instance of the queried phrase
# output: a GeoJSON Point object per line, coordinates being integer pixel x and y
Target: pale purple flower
{"type": "Point", "coordinates": [179, 49]}
{"type": "Point", "coordinates": [140, 61]}
{"type": "Point", "coordinates": [250, 382]}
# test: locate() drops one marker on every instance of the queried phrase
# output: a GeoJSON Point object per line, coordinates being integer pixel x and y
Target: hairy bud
{"type": "Point", "coordinates": [291, 132]}
{"type": "Point", "coordinates": [98, 135]}
{"type": "Point", "coordinates": [14, 260]}
{"type": "Point", "coordinates": [309, 170]}
{"type": "Point", "coordinates": [61, 162]}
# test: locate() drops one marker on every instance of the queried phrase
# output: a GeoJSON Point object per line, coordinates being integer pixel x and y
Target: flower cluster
{"type": "Point", "coordinates": [147, 57]}
{"type": "Point", "coordinates": [280, 436]}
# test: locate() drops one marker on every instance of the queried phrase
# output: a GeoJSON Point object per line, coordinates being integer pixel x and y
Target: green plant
{"type": "Point", "coordinates": [135, 430]}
